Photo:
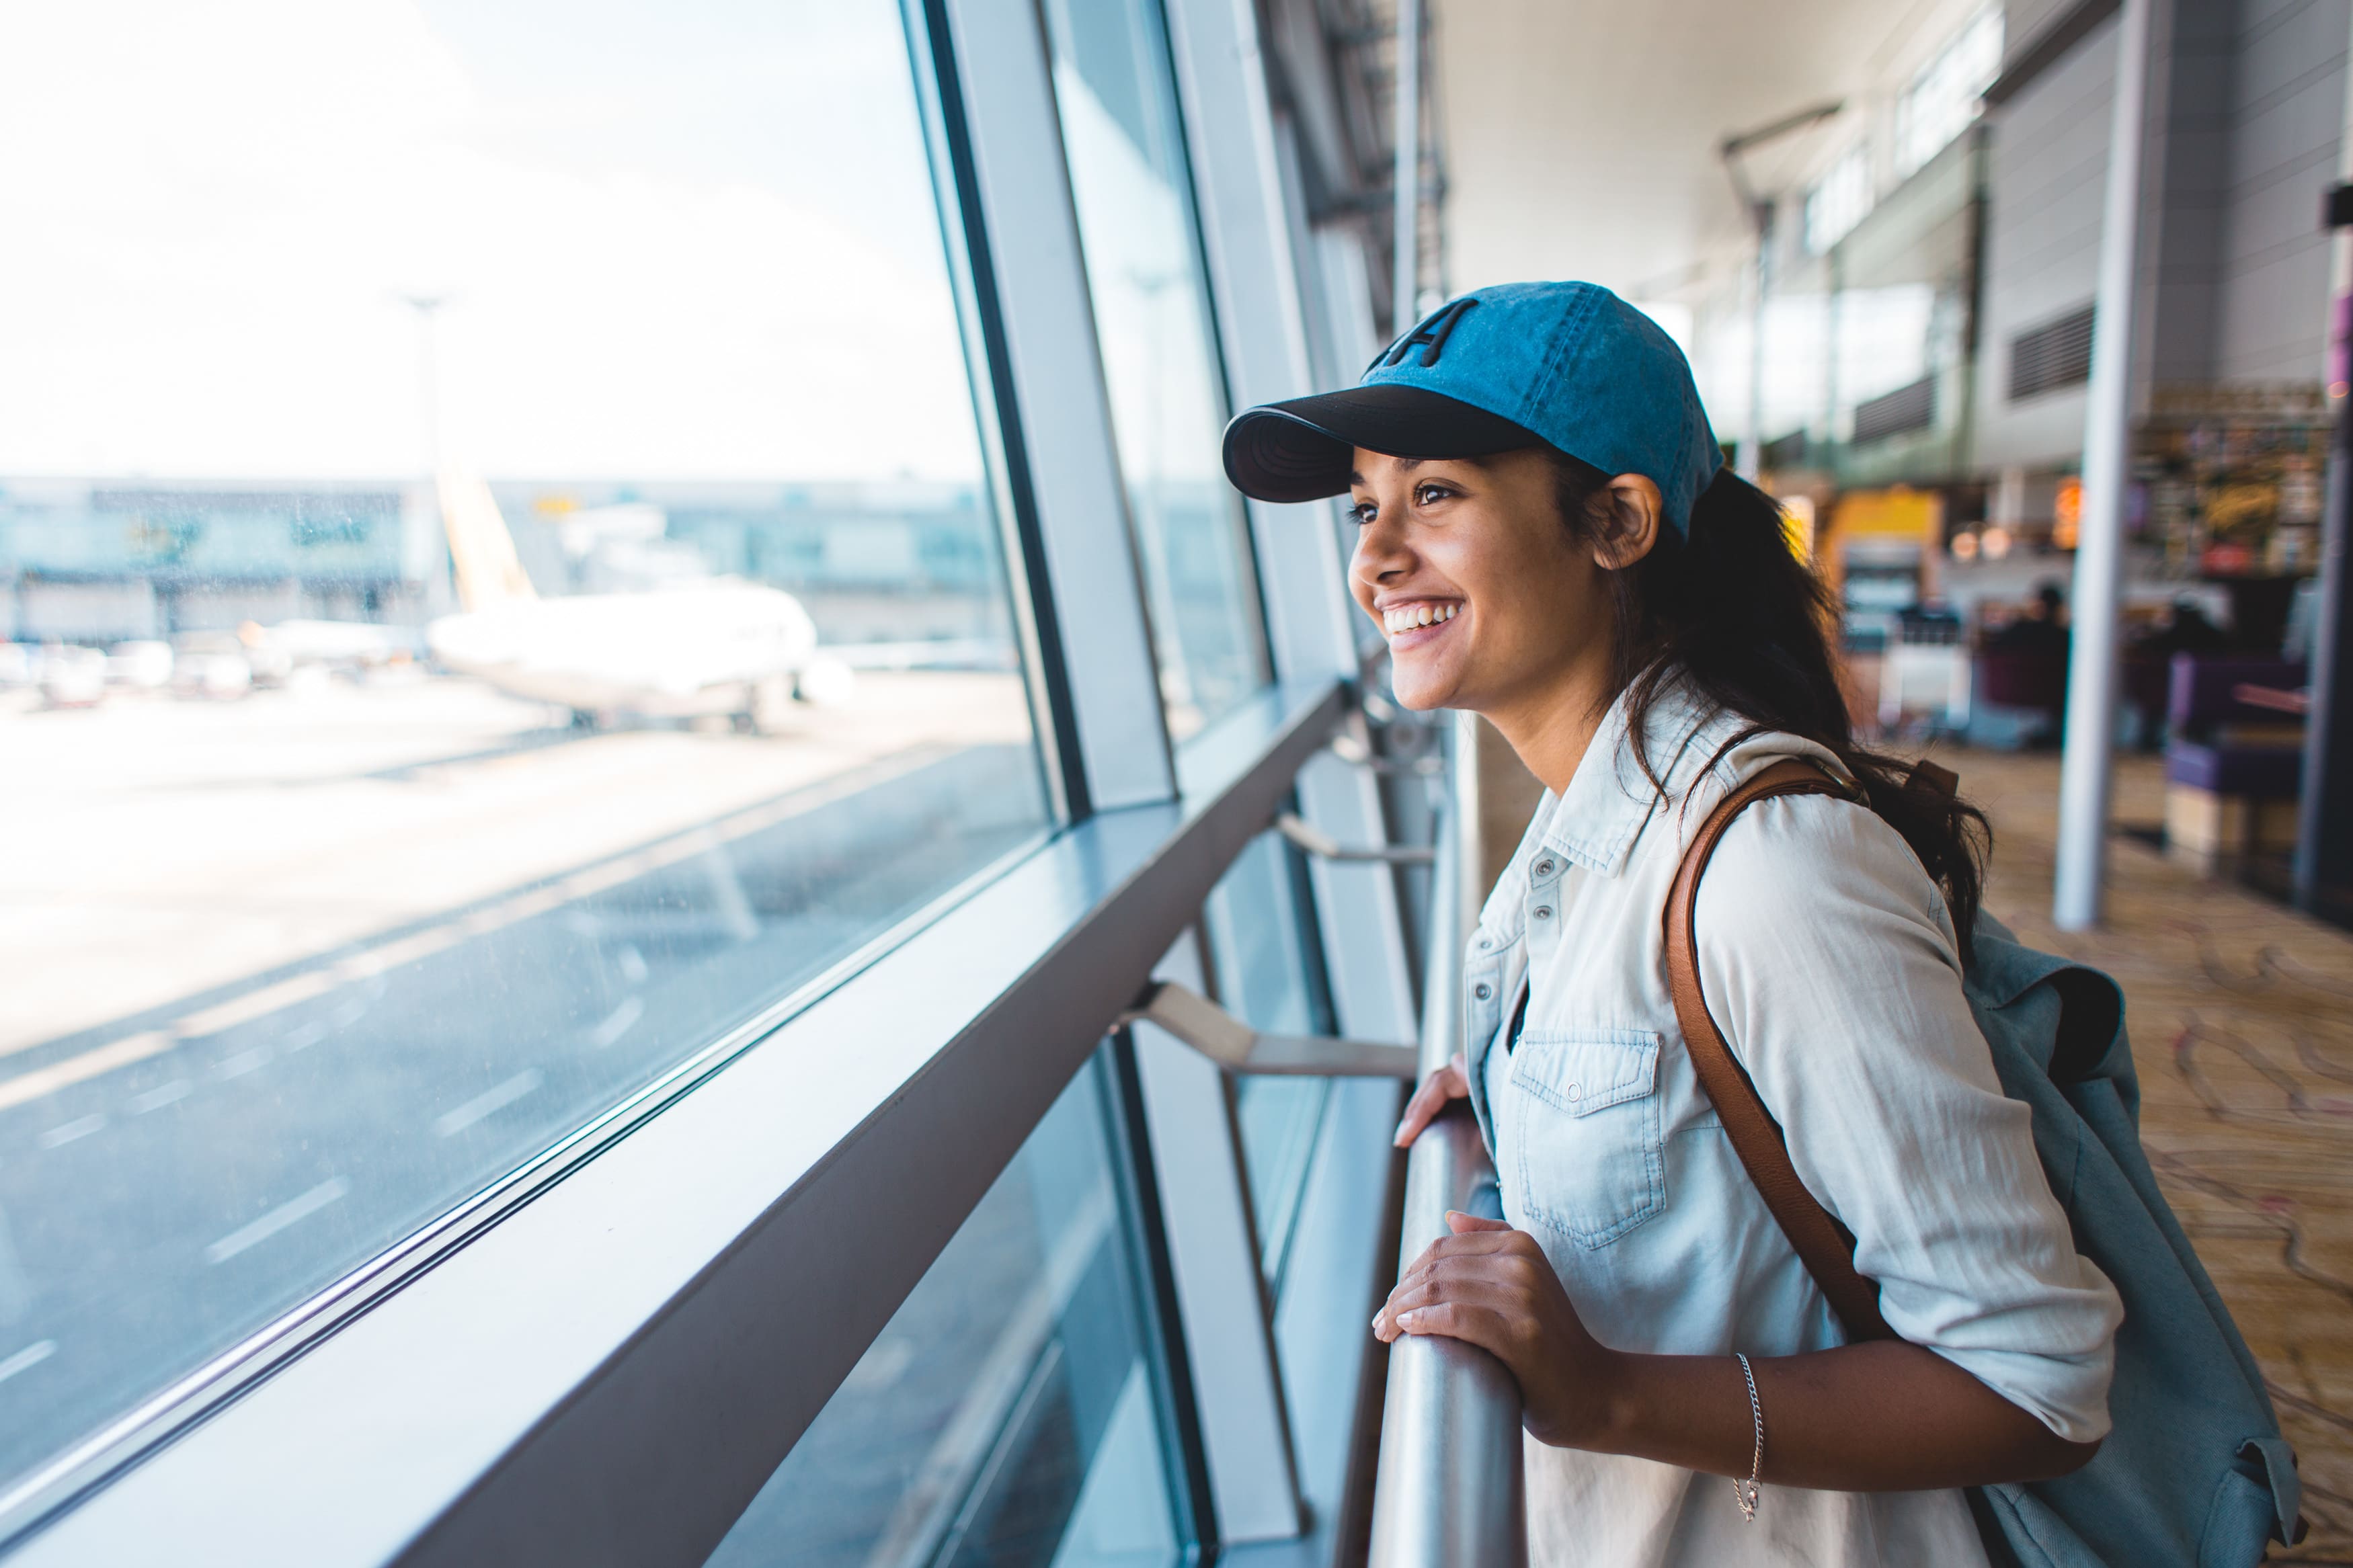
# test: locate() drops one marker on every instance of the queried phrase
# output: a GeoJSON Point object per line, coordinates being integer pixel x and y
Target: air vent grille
{"type": "Point", "coordinates": [1912, 407]}
{"type": "Point", "coordinates": [2048, 357]}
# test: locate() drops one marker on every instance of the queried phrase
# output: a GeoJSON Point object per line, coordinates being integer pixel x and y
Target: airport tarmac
{"type": "Point", "coordinates": [289, 977]}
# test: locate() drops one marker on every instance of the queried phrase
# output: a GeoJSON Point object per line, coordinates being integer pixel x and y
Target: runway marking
{"type": "Point", "coordinates": [488, 1102]}
{"type": "Point", "coordinates": [255, 1005]}
{"type": "Point", "coordinates": [60, 1136]}
{"type": "Point", "coordinates": [617, 1022]}
{"type": "Point", "coordinates": [633, 965]}
{"type": "Point", "coordinates": [90, 1064]}
{"type": "Point", "coordinates": [28, 1358]}
{"type": "Point", "coordinates": [243, 1062]}
{"type": "Point", "coordinates": [289, 1213]}
{"type": "Point", "coordinates": [156, 1099]}
{"type": "Point", "coordinates": [303, 1039]}
{"type": "Point", "coordinates": [572, 889]}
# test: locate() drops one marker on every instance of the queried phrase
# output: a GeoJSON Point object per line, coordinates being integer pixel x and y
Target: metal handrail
{"type": "Point", "coordinates": [1449, 1490]}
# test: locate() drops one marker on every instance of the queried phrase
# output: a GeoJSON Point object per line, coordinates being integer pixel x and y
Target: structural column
{"type": "Point", "coordinates": [2085, 766]}
{"type": "Point", "coordinates": [1408, 255]}
{"type": "Point", "coordinates": [2324, 839]}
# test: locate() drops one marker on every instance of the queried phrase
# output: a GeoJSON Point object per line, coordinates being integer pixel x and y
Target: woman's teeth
{"type": "Point", "coordinates": [1404, 617]}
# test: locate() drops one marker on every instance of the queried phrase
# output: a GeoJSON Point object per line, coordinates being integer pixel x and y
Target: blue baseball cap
{"type": "Point", "coordinates": [1568, 365]}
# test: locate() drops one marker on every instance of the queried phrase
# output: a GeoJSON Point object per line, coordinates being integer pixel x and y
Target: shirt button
{"type": "Point", "coordinates": [1543, 868]}
{"type": "Point", "coordinates": [1544, 912]}
{"type": "Point", "coordinates": [1484, 944]}
{"type": "Point", "coordinates": [1482, 991]}
{"type": "Point", "coordinates": [1574, 1092]}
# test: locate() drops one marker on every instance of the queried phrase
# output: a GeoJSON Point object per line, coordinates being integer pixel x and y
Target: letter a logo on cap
{"type": "Point", "coordinates": [1431, 333]}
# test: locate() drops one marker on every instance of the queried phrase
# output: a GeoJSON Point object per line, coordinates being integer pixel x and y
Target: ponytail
{"type": "Point", "coordinates": [1728, 611]}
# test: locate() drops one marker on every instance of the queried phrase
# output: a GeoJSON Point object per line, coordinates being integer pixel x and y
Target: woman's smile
{"type": "Point", "coordinates": [1414, 623]}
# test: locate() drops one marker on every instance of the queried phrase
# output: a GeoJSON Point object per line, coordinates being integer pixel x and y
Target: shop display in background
{"type": "Point", "coordinates": [2233, 477]}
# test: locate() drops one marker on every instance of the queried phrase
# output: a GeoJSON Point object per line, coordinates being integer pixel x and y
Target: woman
{"type": "Point", "coordinates": [1547, 537]}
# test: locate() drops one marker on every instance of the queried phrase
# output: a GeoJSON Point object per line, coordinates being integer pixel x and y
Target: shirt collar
{"type": "Point", "coordinates": [1607, 801]}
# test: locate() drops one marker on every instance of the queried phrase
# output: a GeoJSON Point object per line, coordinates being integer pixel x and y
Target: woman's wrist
{"type": "Point", "coordinates": [1602, 1412]}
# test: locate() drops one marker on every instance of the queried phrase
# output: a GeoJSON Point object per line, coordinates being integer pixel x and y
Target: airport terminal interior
{"type": "Point", "coordinates": [683, 884]}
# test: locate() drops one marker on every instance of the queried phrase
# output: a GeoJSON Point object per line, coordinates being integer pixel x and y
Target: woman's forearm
{"type": "Point", "coordinates": [1886, 1416]}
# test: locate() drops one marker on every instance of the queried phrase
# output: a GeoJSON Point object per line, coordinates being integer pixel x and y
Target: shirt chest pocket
{"type": "Point", "coordinates": [1585, 1109]}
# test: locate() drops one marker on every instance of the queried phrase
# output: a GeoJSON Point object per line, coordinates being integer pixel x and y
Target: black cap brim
{"type": "Point", "coordinates": [1304, 449]}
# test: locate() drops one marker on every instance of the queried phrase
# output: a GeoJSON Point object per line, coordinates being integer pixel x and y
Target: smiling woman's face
{"type": "Point", "coordinates": [1488, 601]}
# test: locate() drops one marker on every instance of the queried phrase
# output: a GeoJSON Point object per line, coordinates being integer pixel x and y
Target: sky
{"type": "Point", "coordinates": [685, 239]}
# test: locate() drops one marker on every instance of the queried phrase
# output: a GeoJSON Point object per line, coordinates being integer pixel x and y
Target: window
{"type": "Point", "coordinates": [504, 597]}
{"type": "Point", "coordinates": [1009, 1413]}
{"type": "Point", "coordinates": [1840, 199]}
{"type": "Point", "coordinates": [1268, 974]}
{"type": "Point", "coordinates": [1129, 179]}
{"type": "Point", "coordinates": [1945, 95]}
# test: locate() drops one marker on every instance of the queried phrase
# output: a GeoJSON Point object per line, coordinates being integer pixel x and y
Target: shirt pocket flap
{"type": "Point", "coordinates": [1581, 1071]}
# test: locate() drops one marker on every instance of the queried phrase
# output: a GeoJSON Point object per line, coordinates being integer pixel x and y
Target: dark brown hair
{"type": "Point", "coordinates": [1730, 612]}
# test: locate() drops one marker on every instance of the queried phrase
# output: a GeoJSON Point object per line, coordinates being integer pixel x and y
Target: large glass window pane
{"type": "Point", "coordinates": [1270, 973]}
{"type": "Point", "coordinates": [1007, 1415]}
{"type": "Point", "coordinates": [503, 591]}
{"type": "Point", "coordinates": [1135, 197]}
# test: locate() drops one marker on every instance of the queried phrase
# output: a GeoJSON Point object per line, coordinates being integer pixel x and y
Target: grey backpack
{"type": "Point", "coordinates": [2195, 1472]}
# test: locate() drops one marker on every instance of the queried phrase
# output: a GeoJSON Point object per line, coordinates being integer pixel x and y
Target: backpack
{"type": "Point", "coordinates": [2195, 1471]}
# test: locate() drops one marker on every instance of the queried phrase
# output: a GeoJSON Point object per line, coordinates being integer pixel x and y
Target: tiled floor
{"type": "Point", "coordinates": [2241, 1020]}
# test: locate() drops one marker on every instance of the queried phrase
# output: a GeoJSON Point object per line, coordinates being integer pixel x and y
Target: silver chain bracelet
{"type": "Point", "coordinates": [1746, 1490]}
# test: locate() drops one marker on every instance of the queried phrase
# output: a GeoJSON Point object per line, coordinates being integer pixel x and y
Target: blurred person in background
{"type": "Point", "coordinates": [2042, 629]}
{"type": "Point", "coordinates": [1547, 537]}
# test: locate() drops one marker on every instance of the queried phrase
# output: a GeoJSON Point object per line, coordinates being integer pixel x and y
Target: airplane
{"type": "Point", "coordinates": [684, 649]}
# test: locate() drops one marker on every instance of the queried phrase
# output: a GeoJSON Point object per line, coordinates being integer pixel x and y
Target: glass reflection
{"type": "Point", "coordinates": [1270, 974]}
{"type": "Point", "coordinates": [502, 590]}
{"type": "Point", "coordinates": [1006, 1415]}
{"type": "Point", "coordinates": [1134, 192]}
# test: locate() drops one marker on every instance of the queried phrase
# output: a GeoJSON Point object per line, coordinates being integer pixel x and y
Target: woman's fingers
{"type": "Point", "coordinates": [1498, 1275]}
{"type": "Point", "coordinates": [1490, 1255]}
{"type": "Point", "coordinates": [1462, 1224]}
{"type": "Point", "coordinates": [1449, 1082]}
{"type": "Point", "coordinates": [1487, 1239]}
{"type": "Point", "coordinates": [1489, 1318]}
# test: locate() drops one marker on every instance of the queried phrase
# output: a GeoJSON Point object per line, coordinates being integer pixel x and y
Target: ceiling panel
{"type": "Point", "coordinates": [1581, 137]}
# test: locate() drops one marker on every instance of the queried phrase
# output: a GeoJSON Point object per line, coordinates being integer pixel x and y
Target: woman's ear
{"type": "Point", "coordinates": [1635, 516]}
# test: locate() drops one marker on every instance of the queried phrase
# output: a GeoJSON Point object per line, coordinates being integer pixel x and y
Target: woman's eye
{"type": "Point", "coordinates": [1430, 495]}
{"type": "Point", "coordinates": [1362, 513]}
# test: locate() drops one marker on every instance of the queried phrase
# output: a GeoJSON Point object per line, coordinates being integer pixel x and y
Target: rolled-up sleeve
{"type": "Point", "coordinates": [1829, 964]}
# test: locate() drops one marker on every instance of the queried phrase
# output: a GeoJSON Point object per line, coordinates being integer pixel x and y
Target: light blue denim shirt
{"type": "Point", "coordinates": [1829, 960]}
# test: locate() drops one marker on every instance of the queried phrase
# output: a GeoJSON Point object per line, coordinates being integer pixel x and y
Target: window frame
{"type": "Point", "coordinates": [585, 1364]}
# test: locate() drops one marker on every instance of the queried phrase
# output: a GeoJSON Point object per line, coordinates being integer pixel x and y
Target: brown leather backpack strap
{"type": "Point", "coordinates": [1824, 1245]}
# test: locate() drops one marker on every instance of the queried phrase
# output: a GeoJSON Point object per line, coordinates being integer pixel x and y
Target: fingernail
{"type": "Point", "coordinates": [1376, 1320]}
{"type": "Point", "coordinates": [1406, 1320]}
{"type": "Point", "coordinates": [1399, 1138]}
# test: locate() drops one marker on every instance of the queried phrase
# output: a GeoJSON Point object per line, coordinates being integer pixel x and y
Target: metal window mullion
{"type": "Point", "coordinates": [1214, 1256]}
{"type": "Point", "coordinates": [1246, 232]}
{"type": "Point", "coordinates": [1023, 230]}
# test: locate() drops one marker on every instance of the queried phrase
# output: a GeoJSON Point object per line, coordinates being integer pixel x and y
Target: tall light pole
{"type": "Point", "coordinates": [425, 547]}
{"type": "Point", "coordinates": [428, 374]}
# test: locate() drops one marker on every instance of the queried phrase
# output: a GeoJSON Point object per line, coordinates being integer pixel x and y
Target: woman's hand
{"type": "Point", "coordinates": [1451, 1081]}
{"type": "Point", "coordinates": [1492, 1287]}
{"type": "Point", "coordinates": [1880, 1417]}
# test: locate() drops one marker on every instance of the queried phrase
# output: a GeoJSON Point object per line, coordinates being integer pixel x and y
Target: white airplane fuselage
{"type": "Point", "coordinates": [681, 651]}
